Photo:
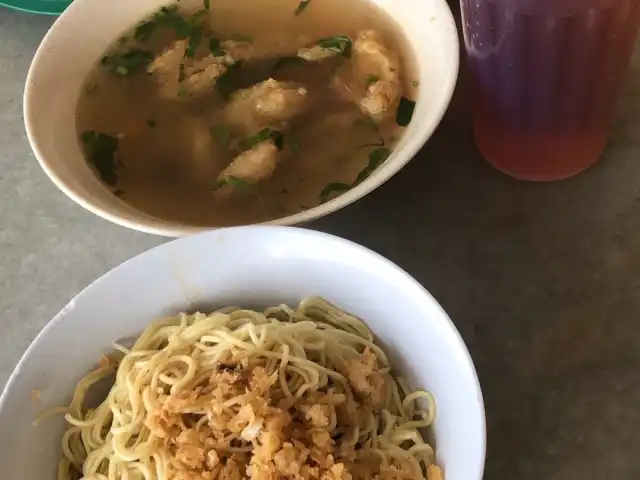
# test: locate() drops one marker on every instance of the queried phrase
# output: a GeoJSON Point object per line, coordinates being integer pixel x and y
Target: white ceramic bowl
{"type": "Point", "coordinates": [76, 41]}
{"type": "Point", "coordinates": [248, 266]}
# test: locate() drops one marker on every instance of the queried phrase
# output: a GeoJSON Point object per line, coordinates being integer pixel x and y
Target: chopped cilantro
{"type": "Point", "coordinates": [365, 122]}
{"type": "Point", "coordinates": [216, 47]}
{"type": "Point", "coordinates": [166, 11]}
{"type": "Point", "coordinates": [405, 111]}
{"type": "Point", "coordinates": [372, 79]}
{"type": "Point", "coordinates": [169, 16]}
{"type": "Point", "coordinates": [228, 81]}
{"type": "Point", "coordinates": [144, 30]}
{"type": "Point", "coordinates": [376, 158]}
{"type": "Point", "coordinates": [207, 4]}
{"type": "Point", "coordinates": [286, 61]}
{"type": "Point", "coordinates": [242, 38]}
{"type": "Point", "coordinates": [152, 123]}
{"type": "Point", "coordinates": [222, 134]}
{"type": "Point", "coordinates": [339, 43]}
{"type": "Point", "coordinates": [181, 74]}
{"type": "Point", "coordinates": [181, 26]}
{"type": "Point", "coordinates": [333, 188]}
{"type": "Point", "coordinates": [302, 6]}
{"type": "Point", "coordinates": [127, 63]}
{"type": "Point", "coordinates": [182, 92]}
{"type": "Point", "coordinates": [235, 182]}
{"type": "Point", "coordinates": [195, 38]}
{"type": "Point", "coordinates": [262, 136]}
{"type": "Point", "coordinates": [100, 150]}
{"type": "Point", "coordinates": [376, 144]}
{"type": "Point", "coordinates": [294, 144]}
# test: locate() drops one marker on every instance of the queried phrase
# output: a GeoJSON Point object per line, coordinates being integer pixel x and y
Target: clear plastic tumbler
{"type": "Point", "coordinates": [546, 75]}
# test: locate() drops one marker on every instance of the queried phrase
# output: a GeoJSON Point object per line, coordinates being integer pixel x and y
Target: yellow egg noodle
{"type": "Point", "coordinates": [217, 383]}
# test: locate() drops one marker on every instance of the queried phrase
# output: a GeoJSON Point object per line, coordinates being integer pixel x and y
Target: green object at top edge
{"type": "Point", "coordinates": [43, 7]}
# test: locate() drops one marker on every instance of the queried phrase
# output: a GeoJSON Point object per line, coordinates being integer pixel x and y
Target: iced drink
{"type": "Point", "coordinates": [546, 76]}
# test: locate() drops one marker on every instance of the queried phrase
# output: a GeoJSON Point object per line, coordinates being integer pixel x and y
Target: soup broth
{"type": "Point", "coordinates": [228, 112]}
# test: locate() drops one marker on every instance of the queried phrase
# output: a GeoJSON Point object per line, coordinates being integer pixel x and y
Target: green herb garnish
{"type": "Point", "coordinates": [222, 134]}
{"type": "Point", "coordinates": [294, 144]}
{"type": "Point", "coordinates": [195, 38]}
{"type": "Point", "coordinates": [207, 4]}
{"type": "Point", "coordinates": [339, 43]}
{"type": "Point", "coordinates": [302, 6]}
{"type": "Point", "coordinates": [181, 73]}
{"type": "Point", "coordinates": [181, 26]}
{"type": "Point", "coordinates": [376, 158]}
{"type": "Point", "coordinates": [287, 61]}
{"type": "Point", "coordinates": [365, 122]}
{"type": "Point", "coordinates": [405, 111]}
{"type": "Point", "coordinates": [166, 11]}
{"type": "Point", "coordinates": [100, 150]}
{"type": "Point", "coordinates": [215, 46]}
{"type": "Point", "coordinates": [152, 123]}
{"type": "Point", "coordinates": [228, 81]}
{"type": "Point", "coordinates": [262, 136]}
{"type": "Point", "coordinates": [234, 182]}
{"type": "Point", "coordinates": [333, 188]}
{"type": "Point", "coordinates": [242, 38]}
{"type": "Point", "coordinates": [182, 92]}
{"type": "Point", "coordinates": [372, 79]}
{"type": "Point", "coordinates": [376, 144]}
{"type": "Point", "coordinates": [127, 63]}
{"type": "Point", "coordinates": [144, 30]}
{"type": "Point", "coordinates": [169, 16]}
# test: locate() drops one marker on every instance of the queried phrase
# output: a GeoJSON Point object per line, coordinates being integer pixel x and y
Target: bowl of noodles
{"type": "Point", "coordinates": [247, 353]}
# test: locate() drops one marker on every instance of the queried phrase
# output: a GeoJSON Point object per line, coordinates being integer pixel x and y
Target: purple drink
{"type": "Point", "coordinates": [546, 75]}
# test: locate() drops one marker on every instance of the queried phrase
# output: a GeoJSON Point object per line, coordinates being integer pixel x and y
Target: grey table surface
{"type": "Point", "coordinates": [540, 279]}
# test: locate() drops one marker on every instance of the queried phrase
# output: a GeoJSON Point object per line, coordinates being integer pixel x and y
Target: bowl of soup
{"type": "Point", "coordinates": [176, 117]}
{"type": "Point", "coordinates": [219, 356]}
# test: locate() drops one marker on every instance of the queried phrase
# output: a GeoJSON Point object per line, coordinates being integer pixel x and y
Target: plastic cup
{"type": "Point", "coordinates": [545, 76]}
